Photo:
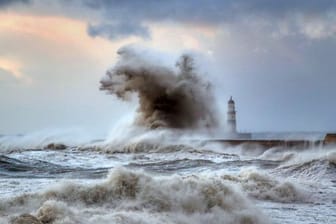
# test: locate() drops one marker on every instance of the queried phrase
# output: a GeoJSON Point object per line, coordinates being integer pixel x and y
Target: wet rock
{"type": "Point", "coordinates": [26, 219]}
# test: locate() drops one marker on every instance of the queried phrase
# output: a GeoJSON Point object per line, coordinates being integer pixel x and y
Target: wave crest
{"type": "Point", "coordinates": [192, 199]}
{"type": "Point", "coordinates": [264, 187]}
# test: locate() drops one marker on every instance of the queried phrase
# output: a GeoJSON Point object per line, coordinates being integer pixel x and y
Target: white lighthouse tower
{"type": "Point", "coordinates": [231, 117]}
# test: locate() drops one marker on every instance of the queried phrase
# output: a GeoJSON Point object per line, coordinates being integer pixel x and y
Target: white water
{"type": "Point", "coordinates": [152, 179]}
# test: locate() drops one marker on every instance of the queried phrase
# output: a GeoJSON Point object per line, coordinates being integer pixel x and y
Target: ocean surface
{"type": "Point", "coordinates": [155, 179]}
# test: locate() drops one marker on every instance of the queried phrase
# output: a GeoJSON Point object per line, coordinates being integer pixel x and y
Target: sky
{"type": "Point", "coordinates": [276, 58]}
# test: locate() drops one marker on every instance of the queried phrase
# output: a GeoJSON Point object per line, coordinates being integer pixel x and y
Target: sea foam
{"type": "Point", "coordinates": [135, 197]}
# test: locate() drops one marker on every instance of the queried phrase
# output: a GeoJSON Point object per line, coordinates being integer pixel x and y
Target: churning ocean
{"type": "Point", "coordinates": [155, 179]}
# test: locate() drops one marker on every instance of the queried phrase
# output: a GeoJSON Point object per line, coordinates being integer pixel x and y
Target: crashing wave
{"type": "Point", "coordinates": [134, 197]}
{"type": "Point", "coordinates": [168, 98]}
{"type": "Point", "coordinates": [264, 187]}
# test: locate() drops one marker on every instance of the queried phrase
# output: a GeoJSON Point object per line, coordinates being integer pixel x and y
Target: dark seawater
{"type": "Point", "coordinates": [167, 182]}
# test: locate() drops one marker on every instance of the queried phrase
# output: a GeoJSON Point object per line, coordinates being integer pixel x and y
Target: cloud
{"type": "Point", "coordinates": [5, 3]}
{"type": "Point", "coordinates": [319, 29]}
{"type": "Point", "coordinates": [275, 57]}
{"type": "Point", "coordinates": [118, 30]}
{"type": "Point", "coordinates": [6, 76]}
{"type": "Point", "coordinates": [12, 67]}
{"type": "Point", "coordinates": [212, 12]}
{"type": "Point", "coordinates": [115, 19]}
{"type": "Point", "coordinates": [209, 11]}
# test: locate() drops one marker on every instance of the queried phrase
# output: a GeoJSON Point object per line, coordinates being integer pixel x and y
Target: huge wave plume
{"type": "Point", "coordinates": [177, 98]}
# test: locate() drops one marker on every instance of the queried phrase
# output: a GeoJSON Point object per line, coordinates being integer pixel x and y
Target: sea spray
{"type": "Point", "coordinates": [178, 99]}
{"type": "Point", "coordinates": [45, 139]}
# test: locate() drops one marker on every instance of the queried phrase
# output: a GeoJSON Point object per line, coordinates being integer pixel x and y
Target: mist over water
{"type": "Point", "coordinates": [178, 98]}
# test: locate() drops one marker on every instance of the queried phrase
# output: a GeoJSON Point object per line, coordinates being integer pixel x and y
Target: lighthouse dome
{"type": "Point", "coordinates": [231, 101]}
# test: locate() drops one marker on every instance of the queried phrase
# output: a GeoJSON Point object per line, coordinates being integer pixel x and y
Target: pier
{"type": "Point", "coordinates": [329, 139]}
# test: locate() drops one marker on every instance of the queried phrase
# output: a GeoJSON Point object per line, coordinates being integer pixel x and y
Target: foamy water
{"type": "Point", "coordinates": [157, 180]}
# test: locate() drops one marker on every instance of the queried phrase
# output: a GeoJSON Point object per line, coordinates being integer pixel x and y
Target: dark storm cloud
{"type": "Point", "coordinates": [4, 3]}
{"type": "Point", "coordinates": [211, 12]}
{"type": "Point", "coordinates": [117, 31]}
{"type": "Point", "coordinates": [161, 10]}
{"type": "Point", "coordinates": [275, 7]}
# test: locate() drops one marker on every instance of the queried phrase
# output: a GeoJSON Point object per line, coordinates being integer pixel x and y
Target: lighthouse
{"type": "Point", "coordinates": [231, 117]}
